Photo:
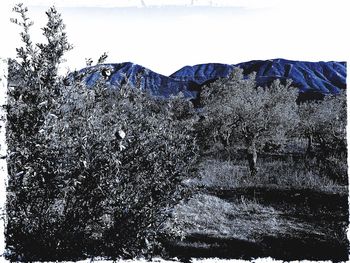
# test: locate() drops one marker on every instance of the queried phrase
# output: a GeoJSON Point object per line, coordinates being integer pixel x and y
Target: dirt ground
{"type": "Point", "coordinates": [306, 225]}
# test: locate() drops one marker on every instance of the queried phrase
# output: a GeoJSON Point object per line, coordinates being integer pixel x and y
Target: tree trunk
{"type": "Point", "coordinates": [309, 145]}
{"type": "Point", "coordinates": [3, 147]}
{"type": "Point", "coordinates": [252, 156]}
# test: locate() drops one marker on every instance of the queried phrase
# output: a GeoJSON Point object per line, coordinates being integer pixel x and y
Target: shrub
{"type": "Point", "coordinates": [92, 172]}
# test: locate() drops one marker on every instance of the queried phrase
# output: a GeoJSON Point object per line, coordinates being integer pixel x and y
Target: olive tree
{"type": "Point", "coordinates": [92, 172]}
{"type": "Point", "coordinates": [236, 111]}
{"type": "Point", "coordinates": [323, 125]}
{"type": "Point", "coordinates": [121, 157]}
{"type": "Point", "coordinates": [33, 88]}
{"type": "Point", "coordinates": [323, 122]}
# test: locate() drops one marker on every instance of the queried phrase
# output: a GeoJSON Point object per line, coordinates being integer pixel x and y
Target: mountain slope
{"type": "Point", "coordinates": [314, 79]}
{"type": "Point", "coordinates": [157, 84]}
{"type": "Point", "coordinates": [322, 77]}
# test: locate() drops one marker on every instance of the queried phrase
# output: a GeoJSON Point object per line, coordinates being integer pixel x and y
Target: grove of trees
{"type": "Point", "coordinates": [236, 113]}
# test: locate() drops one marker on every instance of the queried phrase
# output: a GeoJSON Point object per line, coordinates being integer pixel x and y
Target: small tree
{"type": "Point", "coordinates": [324, 122]}
{"type": "Point", "coordinates": [323, 125]}
{"type": "Point", "coordinates": [308, 123]}
{"type": "Point", "coordinates": [235, 110]}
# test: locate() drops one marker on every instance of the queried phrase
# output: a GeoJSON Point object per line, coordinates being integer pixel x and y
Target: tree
{"type": "Point", "coordinates": [122, 187]}
{"type": "Point", "coordinates": [309, 122]}
{"type": "Point", "coordinates": [92, 172]}
{"type": "Point", "coordinates": [323, 125]}
{"type": "Point", "coordinates": [235, 110]}
{"type": "Point", "coordinates": [334, 116]}
{"type": "Point", "coordinates": [324, 121]}
{"type": "Point", "coordinates": [29, 101]}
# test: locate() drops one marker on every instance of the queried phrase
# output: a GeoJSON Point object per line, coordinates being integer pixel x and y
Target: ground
{"type": "Point", "coordinates": [232, 216]}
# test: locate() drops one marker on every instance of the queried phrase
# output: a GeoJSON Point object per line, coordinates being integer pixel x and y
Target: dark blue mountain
{"type": "Point", "coordinates": [156, 84]}
{"type": "Point", "coordinates": [203, 73]}
{"type": "Point", "coordinates": [314, 79]}
{"type": "Point", "coordinates": [321, 77]}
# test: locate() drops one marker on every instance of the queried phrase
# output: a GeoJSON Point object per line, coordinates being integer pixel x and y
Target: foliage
{"type": "Point", "coordinates": [101, 59]}
{"type": "Point", "coordinates": [37, 75]}
{"type": "Point", "coordinates": [122, 187]}
{"type": "Point", "coordinates": [323, 125]}
{"type": "Point", "coordinates": [92, 172]}
{"type": "Point", "coordinates": [273, 174]}
{"type": "Point", "coordinates": [29, 101]}
{"type": "Point", "coordinates": [236, 111]}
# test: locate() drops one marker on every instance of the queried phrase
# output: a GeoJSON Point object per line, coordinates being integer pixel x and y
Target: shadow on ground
{"type": "Point", "coordinates": [311, 225]}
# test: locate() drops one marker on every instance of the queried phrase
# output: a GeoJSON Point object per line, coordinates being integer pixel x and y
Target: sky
{"type": "Point", "coordinates": [167, 35]}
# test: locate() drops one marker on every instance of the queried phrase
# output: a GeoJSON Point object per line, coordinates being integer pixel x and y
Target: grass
{"type": "Point", "coordinates": [218, 218]}
{"type": "Point", "coordinates": [290, 209]}
{"type": "Point", "coordinates": [280, 174]}
{"type": "Point", "coordinates": [242, 219]}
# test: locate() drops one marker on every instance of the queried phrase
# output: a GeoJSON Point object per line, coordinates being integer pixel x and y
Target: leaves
{"type": "Point", "coordinates": [323, 125]}
{"type": "Point", "coordinates": [239, 110]}
{"type": "Point", "coordinates": [104, 166]}
{"type": "Point", "coordinates": [237, 113]}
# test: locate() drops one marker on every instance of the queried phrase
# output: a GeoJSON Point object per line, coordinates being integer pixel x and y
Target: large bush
{"type": "Point", "coordinates": [91, 171]}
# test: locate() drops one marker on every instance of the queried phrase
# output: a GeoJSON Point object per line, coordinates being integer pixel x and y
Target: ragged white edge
{"type": "Point", "coordinates": [151, 3]}
{"type": "Point", "coordinates": [3, 151]}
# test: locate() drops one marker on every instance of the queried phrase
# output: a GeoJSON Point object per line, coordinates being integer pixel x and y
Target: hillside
{"type": "Point", "coordinates": [314, 79]}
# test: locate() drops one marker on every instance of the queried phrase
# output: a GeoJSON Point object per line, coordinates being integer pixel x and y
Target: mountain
{"type": "Point", "coordinates": [121, 73]}
{"type": "Point", "coordinates": [322, 77]}
{"type": "Point", "coordinates": [314, 79]}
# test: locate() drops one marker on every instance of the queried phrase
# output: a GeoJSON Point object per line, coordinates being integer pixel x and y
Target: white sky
{"type": "Point", "coordinates": [166, 35]}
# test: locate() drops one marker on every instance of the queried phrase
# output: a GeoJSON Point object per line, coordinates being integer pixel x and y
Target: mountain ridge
{"type": "Point", "coordinates": [314, 79]}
